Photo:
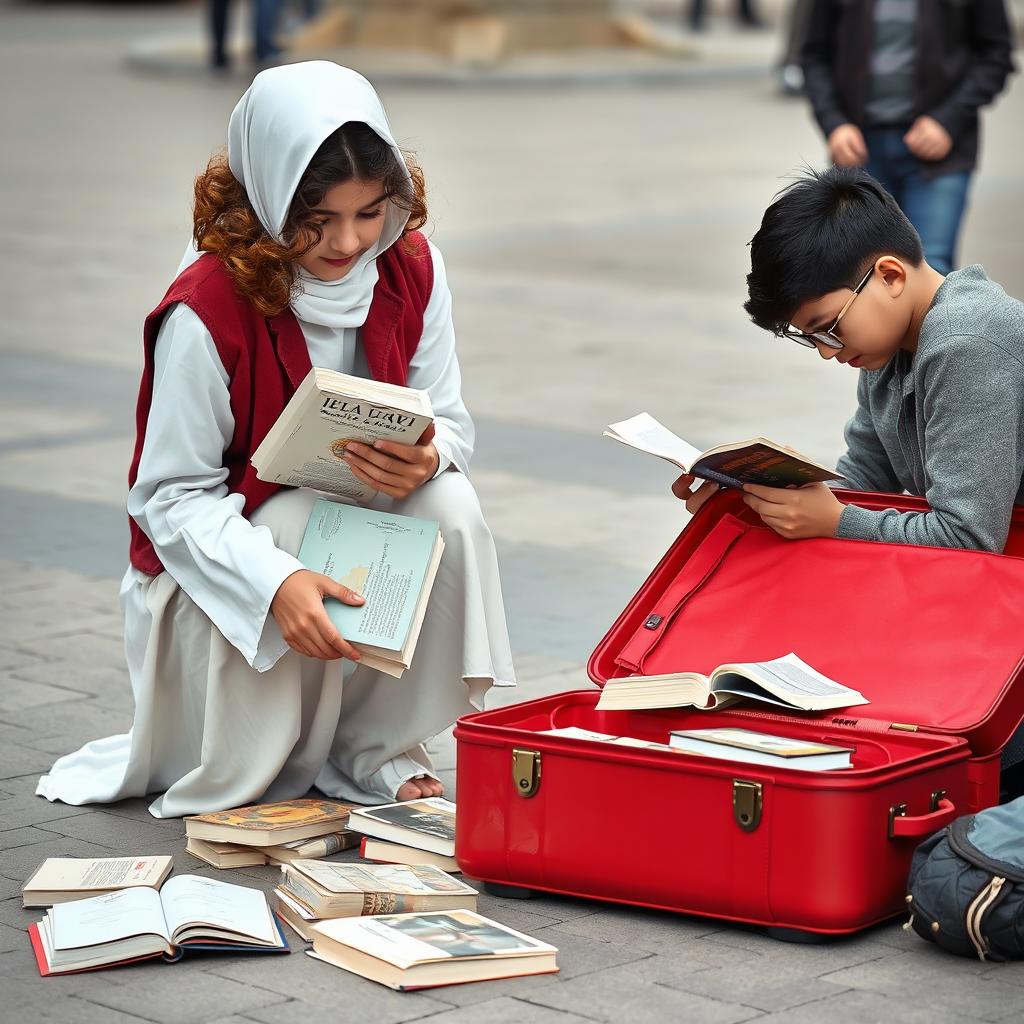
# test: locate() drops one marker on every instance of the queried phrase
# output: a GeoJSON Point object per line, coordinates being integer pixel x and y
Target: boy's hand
{"type": "Point", "coordinates": [395, 469]}
{"type": "Point", "coordinates": [298, 607]}
{"type": "Point", "coordinates": [796, 513]}
{"type": "Point", "coordinates": [846, 146]}
{"type": "Point", "coordinates": [928, 140]}
{"type": "Point", "coordinates": [693, 499]}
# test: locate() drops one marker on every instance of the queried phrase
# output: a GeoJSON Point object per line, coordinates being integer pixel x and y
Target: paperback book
{"type": "Point", "coordinates": [270, 824]}
{"type": "Point", "coordinates": [394, 853]}
{"type": "Point", "coordinates": [330, 890]}
{"type": "Point", "coordinates": [787, 682]}
{"type": "Point", "coordinates": [749, 747]}
{"type": "Point", "coordinates": [391, 560]}
{"type": "Point", "coordinates": [410, 951]}
{"type": "Point", "coordinates": [65, 879]}
{"type": "Point", "coordinates": [329, 410]}
{"type": "Point", "coordinates": [754, 461]}
{"type": "Point", "coordinates": [190, 913]}
{"type": "Point", "coordinates": [427, 824]}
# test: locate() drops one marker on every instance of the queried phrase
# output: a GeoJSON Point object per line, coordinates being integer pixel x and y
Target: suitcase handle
{"type": "Point", "coordinates": [901, 824]}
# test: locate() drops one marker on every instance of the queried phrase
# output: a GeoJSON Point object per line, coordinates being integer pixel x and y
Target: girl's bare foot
{"type": "Point", "coordinates": [419, 787]}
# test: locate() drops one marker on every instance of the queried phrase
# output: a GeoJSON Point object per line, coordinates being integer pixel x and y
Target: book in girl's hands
{"type": "Point", "coordinates": [270, 824]}
{"type": "Point", "coordinates": [393, 853]}
{"type": "Point", "coordinates": [750, 747]}
{"type": "Point", "coordinates": [304, 448]}
{"type": "Point", "coordinates": [786, 682]}
{"type": "Point", "coordinates": [427, 824]}
{"type": "Point", "coordinates": [391, 560]}
{"type": "Point", "coordinates": [409, 951]}
{"type": "Point", "coordinates": [64, 879]}
{"type": "Point", "coordinates": [329, 890]}
{"type": "Point", "coordinates": [754, 461]}
{"type": "Point", "coordinates": [190, 913]}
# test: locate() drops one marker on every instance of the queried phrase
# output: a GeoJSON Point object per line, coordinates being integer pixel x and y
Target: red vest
{"type": "Point", "coordinates": [266, 358]}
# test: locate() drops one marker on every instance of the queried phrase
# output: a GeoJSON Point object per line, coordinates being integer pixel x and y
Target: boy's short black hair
{"type": "Point", "coordinates": [821, 233]}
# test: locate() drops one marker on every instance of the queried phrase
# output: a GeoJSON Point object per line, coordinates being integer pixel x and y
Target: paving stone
{"type": "Point", "coordinates": [28, 836]}
{"type": "Point", "coordinates": [17, 864]}
{"type": "Point", "coordinates": [108, 686]}
{"type": "Point", "coordinates": [651, 930]}
{"type": "Point", "coordinates": [506, 1010]}
{"type": "Point", "coordinates": [484, 991]}
{"type": "Point", "coordinates": [27, 809]}
{"type": "Point", "coordinates": [77, 649]}
{"type": "Point", "coordinates": [11, 658]}
{"type": "Point", "coordinates": [578, 954]}
{"type": "Point", "coordinates": [611, 999]}
{"type": "Point", "coordinates": [11, 938]}
{"type": "Point", "coordinates": [19, 761]}
{"type": "Point", "coordinates": [128, 833]}
{"type": "Point", "coordinates": [20, 694]}
{"type": "Point", "coordinates": [860, 1007]}
{"type": "Point", "coordinates": [932, 978]}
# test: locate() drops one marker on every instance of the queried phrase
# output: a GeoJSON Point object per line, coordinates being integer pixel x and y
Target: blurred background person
{"type": "Point", "coordinates": [896, 86]}
{"type": "Point", "coordinates": [746, 15]}
{"type": "Point", "coordinates": [265, 48]}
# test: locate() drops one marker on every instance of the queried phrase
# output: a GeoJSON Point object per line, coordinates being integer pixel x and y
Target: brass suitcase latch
{"type": "Point", "coordinates": [526, 771]}
{"type": "Point", "coordinates": [747, 802]}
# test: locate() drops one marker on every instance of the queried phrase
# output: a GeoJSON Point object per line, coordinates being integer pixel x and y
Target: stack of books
{"type": "Point", "coordinates": [313, 890]}
{"type": "Point", "coordinates": [420, 832]}
{"type": "Point", "coordinates": [270, 833]}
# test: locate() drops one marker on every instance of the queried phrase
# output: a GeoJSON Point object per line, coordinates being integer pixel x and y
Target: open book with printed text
{"type": "Point", "coordinates": [787, 682]}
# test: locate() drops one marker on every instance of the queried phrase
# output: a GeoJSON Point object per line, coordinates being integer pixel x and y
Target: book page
{"type": "Point", "coordinates": [789, 679]}
{"type": "Point", "coordinates": [646, 434]}
{"type": "Point", "coordinates": [192, 899]}
{"type": "Point", "coordinates": [115, 915]}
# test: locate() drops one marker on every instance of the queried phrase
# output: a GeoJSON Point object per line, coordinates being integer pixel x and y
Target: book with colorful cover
{"type": "Point", "coordinates": [270, 824]}
{"type": "Point", "coordinates": [391, 560]}
{"type": "Point", "coordinates": [427, 824]}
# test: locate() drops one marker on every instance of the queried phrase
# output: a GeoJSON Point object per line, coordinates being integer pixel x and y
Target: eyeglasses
{"type": "Point", "coordinates": [827, 337]}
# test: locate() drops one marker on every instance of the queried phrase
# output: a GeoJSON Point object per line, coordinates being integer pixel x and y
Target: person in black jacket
{"type": "Point", "coordinates": [896, 86]}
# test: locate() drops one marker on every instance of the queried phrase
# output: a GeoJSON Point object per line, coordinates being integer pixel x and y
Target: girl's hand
{"type": "Point", "coordinates": [298, 608]}
{"type": "Point", "coordinates": [694, 499]}
{"type": "Point", "coordinates": [797, 512]}
{"type": "Point", "coordinates": [395, 469]}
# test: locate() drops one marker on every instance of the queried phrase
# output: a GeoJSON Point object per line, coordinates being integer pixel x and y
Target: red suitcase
{"type": "Point", "coordinates": [933, 637]}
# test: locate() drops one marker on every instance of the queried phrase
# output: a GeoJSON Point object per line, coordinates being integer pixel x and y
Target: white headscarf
{"type": "Point", "coordinates": [275, 130]}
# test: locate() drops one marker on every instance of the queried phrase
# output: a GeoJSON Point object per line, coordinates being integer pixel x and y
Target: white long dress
{"type": "Point", "coordinates": [225, 713]}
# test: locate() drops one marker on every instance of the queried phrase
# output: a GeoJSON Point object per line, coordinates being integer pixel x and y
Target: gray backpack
{"type": "Point", "coordinates": [967, 885]}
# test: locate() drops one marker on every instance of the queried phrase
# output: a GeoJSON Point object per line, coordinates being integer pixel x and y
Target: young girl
{"type": "Point", "coordinates": [306, 253]}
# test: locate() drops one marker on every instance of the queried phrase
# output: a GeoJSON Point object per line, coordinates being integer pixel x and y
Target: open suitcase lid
{"type": "Point", "coordinates": [933, 637]}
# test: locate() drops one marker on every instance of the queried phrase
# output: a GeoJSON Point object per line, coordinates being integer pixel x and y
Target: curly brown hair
{"type": "Point", "coordinates": [263, 269]}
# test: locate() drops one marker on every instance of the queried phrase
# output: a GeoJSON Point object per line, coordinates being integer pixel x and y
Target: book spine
{"type": "Point", "coordinates": [718, 478]}
{"type": "Point", "coordinates": [386, 903]}
{"type": "Point", "coordinates": [324, 846]}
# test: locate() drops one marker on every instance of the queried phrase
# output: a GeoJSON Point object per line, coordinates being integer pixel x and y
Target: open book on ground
{"type": "Point", "coordinates": [304, 448]}
{"type": "Point", "coordinates": [270, 824]}
{"type": "Point", "coordinates": [190, 913]}
{"type": "Point", "coordinates": [754, 461]}
{"type": "Point", "coordinates": [409, 951]}
{"type": "Point", "coordinates": [787, 682]}
{"type": "Point", "coordinates": [749, 747]}
{"type": "Point", "coordinates": [64, 879]}
{"type": "Point", "coordinates": [391, 560]}
{"type": "Point", "coordinates": [328, 889]}
{"type": "Point", "coordinates": [427, 824]}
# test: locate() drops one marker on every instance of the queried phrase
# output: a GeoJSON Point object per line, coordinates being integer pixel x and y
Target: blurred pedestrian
{"type": "Point", "coordinates": [265, 14]}
{"type": "Point", "coordinates": [746, 15]}
{"type": "Point", "coordinates": [896, 86]}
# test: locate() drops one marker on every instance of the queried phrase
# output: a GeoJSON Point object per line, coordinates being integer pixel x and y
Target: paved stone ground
{"type": "Point", "coordinates": [596, 246]}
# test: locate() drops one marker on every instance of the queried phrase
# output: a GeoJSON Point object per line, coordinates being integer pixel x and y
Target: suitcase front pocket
{"type": "Point", "coordinates": [697, 572]}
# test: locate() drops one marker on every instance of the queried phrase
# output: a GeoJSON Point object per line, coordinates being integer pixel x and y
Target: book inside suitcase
{"type": "Point", "coordinates": [932, 637]}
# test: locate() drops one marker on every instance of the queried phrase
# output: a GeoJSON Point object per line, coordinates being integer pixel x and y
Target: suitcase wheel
{"type": "Point", "coordinates": [510, 892]}
{"type": "Point", "coordinates": [796, 935]}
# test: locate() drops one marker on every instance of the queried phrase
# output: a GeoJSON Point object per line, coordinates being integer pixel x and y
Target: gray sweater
{"type": "Point", "coordinates": [946, 423]}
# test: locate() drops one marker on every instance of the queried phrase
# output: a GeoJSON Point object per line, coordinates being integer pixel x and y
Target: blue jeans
{"type": "Point", "coordinates": [934, 205]}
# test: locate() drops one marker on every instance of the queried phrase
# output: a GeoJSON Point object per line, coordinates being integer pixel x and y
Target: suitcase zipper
{"type": "Point", "coordinates": [976, 912]}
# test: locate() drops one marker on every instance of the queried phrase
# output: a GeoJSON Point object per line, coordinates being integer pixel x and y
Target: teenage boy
{"type": "Point", "coordinates": [836, 266]}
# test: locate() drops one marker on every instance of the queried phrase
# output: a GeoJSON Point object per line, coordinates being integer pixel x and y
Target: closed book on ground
{"type": "Point", "coordinates": [295, 915]}
{"type": "Point", "coordinates": [304, 447]}
{"type": "Point", "coordinates": [225, 855]}
{"type": "Point", "coordinates": [306, 849]}
{"type": "Point", "coordinates": [270, 824]}
{"type": "Point", "coordinates": [749, 747]}
{"type": "Point", "coordinates": [427, 824]}
{"type": "Point", "coordinates": [329, 889]}
{"type": "Point", "coordinates": [754, 461]}
{"type": "Point", "coordinates": [786, 682]}
{"type": "Point", "coordinates": [190, 913]}
{"type": "Point", "coordinates": [64, 879]}
{"type": "Point", "coordinates": [410, 951]}
{"type": "Point", "coordinates": [393, 853]}
{"type": "Point", "coordinates": [391, 560]}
